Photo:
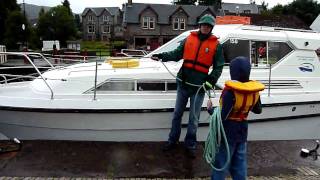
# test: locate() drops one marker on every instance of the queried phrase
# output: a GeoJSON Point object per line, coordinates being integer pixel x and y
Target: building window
{"type": "Point", "coordinates": [151, 23]}
{"type": "Point", "coordinates": [182, 24]}
{"type": "Point", "coordinates": [106, 29]}
{"type": "Point", "coordinates": [118, 29]}
{"type": "Point", "coordinates": [90, 18]}
{"type": "Point", "coordinates": [105, 18]}
{"type": "Point", "coordinates": [179, 24]}
{"type": "Point", "coordinates": [148, 23]}
{"type": "Point", "coordinates": [226, 11]}
{"type": "Point", "coordinates": [91, 29]}
{"type": "Point", "coordinates": [246, 11]}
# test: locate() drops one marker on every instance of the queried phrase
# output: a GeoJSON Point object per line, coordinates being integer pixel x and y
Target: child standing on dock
{"type": "Point", "coordinates": [239, 96]}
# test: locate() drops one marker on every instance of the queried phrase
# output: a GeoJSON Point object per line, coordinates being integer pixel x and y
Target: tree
{"type": "Point", "coordinates": [67, 5]}
{"type": "Point", "coordinates": [41, 12]}
{"type": "Point", "coordinates": [184, 2]}
{"type": "Point", "coordinates": [264, 5]}
{"type": "Point", "coordinates": [277, 9]}
{"type": "Point", "coordinates": [215, 3]}
{"type": "Point", "coordinates": [6, 6]}
{"type": "Point", "coordinates": [14, 32]}
{"type": "Point", "coordinates": [77, 21]}
{"type": "Point", "coordinates": [306, 10]}
{"type": "Point", "coordinates": [58, 24]}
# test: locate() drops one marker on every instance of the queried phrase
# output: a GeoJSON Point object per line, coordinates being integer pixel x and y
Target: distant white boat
{"type": "Point", "coordinates": [136, 103]}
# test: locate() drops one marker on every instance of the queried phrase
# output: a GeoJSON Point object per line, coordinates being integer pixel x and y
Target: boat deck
{"type": "Point", "coordinates": [107, 160]}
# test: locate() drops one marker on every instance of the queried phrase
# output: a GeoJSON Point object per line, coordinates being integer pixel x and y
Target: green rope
{"type": "Point", "coordinates": [213, 141]}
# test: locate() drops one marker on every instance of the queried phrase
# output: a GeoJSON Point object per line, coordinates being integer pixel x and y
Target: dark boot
{"type": "Point", "coordinates": [169, 146]}
{"type": "Point", "coordinates": [191, 153]}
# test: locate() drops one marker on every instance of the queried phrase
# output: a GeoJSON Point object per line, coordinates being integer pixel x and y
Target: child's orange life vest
{"type": "Point", "coordinates": [246, 96]}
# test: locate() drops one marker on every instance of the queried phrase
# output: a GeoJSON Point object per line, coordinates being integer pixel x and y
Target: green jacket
{"type": "Point", "coordinates": [192, 76]}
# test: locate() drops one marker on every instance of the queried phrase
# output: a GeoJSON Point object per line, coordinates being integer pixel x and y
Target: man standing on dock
{"type": "Point", "coordinates": [199, 51]}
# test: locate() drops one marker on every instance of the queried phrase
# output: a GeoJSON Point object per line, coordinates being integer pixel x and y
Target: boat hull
{"type": "Point", "coordinates": [277, 122]}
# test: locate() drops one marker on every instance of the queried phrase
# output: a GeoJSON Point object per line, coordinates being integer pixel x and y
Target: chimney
{"type": "Point", "coordinates": [129, 3]}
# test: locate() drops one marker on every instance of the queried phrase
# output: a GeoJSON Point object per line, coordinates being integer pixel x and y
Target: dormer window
{"type": "Point", "coordinates": [105, 18]}
{"type": "Point", "coordinates": [148, 22]}
{"type": "Point", "coordinates": [90, 18]}
{"type": "Point", "coordinates": [179, 24]}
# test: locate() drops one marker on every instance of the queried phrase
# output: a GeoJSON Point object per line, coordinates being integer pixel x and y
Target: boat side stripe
{"type": "Point", "coordinates": [8, 108]}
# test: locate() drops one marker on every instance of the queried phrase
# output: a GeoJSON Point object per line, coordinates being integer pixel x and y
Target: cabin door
{"type": "Point", "coordinates": [258, 53]}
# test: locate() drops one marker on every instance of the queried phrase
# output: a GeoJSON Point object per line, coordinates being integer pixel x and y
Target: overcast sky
{"type": "Point", "coordinates": [78, 6]}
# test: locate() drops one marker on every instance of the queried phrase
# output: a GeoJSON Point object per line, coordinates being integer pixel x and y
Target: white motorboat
{"type": "Point", "coordinates": [98, 101]}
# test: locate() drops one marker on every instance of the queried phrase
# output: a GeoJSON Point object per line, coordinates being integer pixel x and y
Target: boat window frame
{"type": "Point", "coordinates": [136, 86]}
{"type": "Point", "coordinates": [267, 65]}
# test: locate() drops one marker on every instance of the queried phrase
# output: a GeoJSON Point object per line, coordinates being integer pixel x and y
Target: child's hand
{"type": "Point", "coordinates": [210, 107]}
{"type": "Point", "coordinates": [209, 104]}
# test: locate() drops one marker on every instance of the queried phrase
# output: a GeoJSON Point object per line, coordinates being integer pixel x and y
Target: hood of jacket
{"type": "Point", "coordinates": [240, 68]}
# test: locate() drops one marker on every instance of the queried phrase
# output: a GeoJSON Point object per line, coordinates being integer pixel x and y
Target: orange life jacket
{"type": "Point", "coordinates": [199, 55]}
{"type": "Point", "coordinates": [246, 96]}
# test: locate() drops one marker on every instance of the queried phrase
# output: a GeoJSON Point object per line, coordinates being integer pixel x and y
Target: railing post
{"type": "Point", "coordinates": [95, 82]}
{"type": "Point", "coordinates": [269, 83]}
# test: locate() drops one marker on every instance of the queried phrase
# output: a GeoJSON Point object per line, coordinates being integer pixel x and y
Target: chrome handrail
{"type": "Point", "coordinates": [25, 54]}
{"type": "Point", "coordinates": [15, 77]}
{"type": "Point", "coordinates": [5, 78]}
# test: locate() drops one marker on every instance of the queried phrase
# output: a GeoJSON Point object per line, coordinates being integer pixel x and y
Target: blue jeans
{"type": "Point", "coordinates": [238, 162]}
{"type": "Point", "coordinates": [183, 94]}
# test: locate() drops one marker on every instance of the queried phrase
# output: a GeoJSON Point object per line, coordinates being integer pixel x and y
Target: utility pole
{"type": "Point", "coordinates": [25, 45]}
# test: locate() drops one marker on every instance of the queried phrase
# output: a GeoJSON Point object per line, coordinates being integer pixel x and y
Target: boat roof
{"type": "Point", "coordinates": [300, 38]}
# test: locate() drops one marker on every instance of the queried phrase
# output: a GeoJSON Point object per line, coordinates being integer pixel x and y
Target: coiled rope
{"type": "Point", "coordinates": [213, 142]}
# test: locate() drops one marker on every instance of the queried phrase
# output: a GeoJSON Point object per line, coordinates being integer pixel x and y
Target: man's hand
{"type": "Point", "coordinates": [208, 85]}
{"type": "Point", "coordinates": [156, 57]}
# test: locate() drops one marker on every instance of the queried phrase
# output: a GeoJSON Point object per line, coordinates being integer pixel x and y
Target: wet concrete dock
{"type": "Point", "coordinates": [57, 159]}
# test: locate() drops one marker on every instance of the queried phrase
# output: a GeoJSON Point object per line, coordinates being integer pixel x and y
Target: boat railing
{"type": "Point", "coordinates": [68, 59]}
{"type": "Point", "coordinates": [132, 53]}
{"type": "Point", "coordinates": [27, 58]}
{"type": "Point", "coordinates": [4, 77]}
{"type": "Point", "coordinates": [267, 28]}
{"type": "Point", "coordinates": [14, 77]}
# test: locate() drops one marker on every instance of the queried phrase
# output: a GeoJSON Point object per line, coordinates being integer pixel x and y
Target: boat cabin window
{"type": "Point", "coordinates": [261, 53]}
{"type": "Point", "coordinates": [268, 52]}
{"type": "Point", "coordinates": [235, 47]}
{"type": "Point", "coordinates": [277, 50]}
{"type": "Point", "coordinates": [117, 85]}
{"type": "Point", "coordinates": [150, 86]}
{"type": "Point", "coordinates": [138, 85]}
{"type": "Point", "coordinates": [172, 86]}
{"type": "Point", "coordinates": [156, 85]}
